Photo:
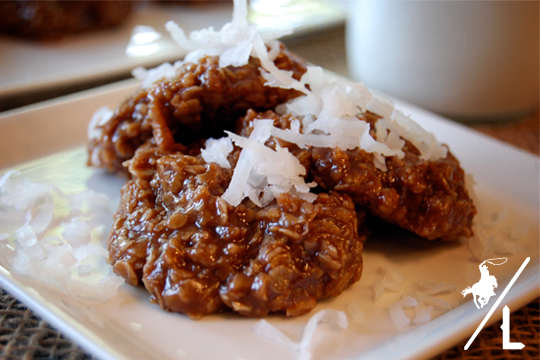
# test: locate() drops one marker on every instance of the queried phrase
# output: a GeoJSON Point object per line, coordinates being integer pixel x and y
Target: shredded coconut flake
{"type": "Point", "coordinates": [435, 288]}
{"type": "Point", "coordinates": [329, 110]}
{"type": "Point", "coordinates": [326, 316]}
{"type": "Point", "coordinates": [437, 303]}
{"type": "Point", "coordinates": [216, 151]}
{"type": "Point", "coordinates": [63, 259]}
{"type": "Point", "coordinates": [398, 315]}
{"type": "Point", "coordinates": [378, 289]}
{"type": "Point", "coordinates": [76, 232]}
{"type": "Point", "coordinates": [355, 309]}
{"type": "Point", "coordinates": [423, 314]}
{"type": "Point", "coordinates": [426, 143]}
{"type": "Point", "coordinates": [393, 278]}
{"type": "Point", "coordinates": [265, 329]}
{"type": "Point", "coordinates": [494, 233]}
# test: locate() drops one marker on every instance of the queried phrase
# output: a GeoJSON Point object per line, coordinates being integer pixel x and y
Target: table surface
{"type": "Point", "coordinates": [23, 335]}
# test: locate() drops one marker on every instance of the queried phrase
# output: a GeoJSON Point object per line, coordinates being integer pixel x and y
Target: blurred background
{"type": "Point", "coordinates": [471, 60]}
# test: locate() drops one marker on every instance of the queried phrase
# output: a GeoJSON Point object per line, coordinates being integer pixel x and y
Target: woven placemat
{"type": "Point", "coordinates": [24, 336]}
{"type": "Point", "coordinates": [523, 133]}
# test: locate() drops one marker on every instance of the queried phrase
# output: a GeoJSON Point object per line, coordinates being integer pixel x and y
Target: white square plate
{"type": "Point", "coordinates": [129, 327]}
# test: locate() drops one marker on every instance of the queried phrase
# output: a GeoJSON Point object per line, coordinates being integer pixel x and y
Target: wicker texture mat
{"type": "Point", "coordinates": [24, 336]}
{"type": "Point", "coordinates": [523, 133]}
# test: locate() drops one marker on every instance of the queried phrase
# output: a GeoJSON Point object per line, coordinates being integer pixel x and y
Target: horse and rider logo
{"type": "Point", "coordinates": [484, 289]}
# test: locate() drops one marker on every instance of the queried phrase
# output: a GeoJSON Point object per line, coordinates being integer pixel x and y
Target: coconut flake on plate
{"type": "Point", "coordinates": [423, 314]}
{"type": "Point", "coordinates": [425, 142]}
{"type": "Point", "coordinates": [101, 290]}
{"type": "Point", "coordinates": [378, 289]}
{"type": "Point", "coordinates": [149, 77]}
{"type": "Point", "coordinates": [333, 107]}
{"type": "Point", "coordinates": [355, 310]}
{"type": "Point", "coordinates": [92, 203]}
{"type": "Point", "coordinates": [437, 303]}
{"type": "Point", "coordinates": [397, 313]}
{"type": "Point", "coordinates": [84, 270]}
{"type": "Point", "coordinates": [408, 302]}
{"type": "Point", "coordinates": [393, 278]}
{"type": "Point", "coordinates": [234, 43]}
{"type": "Point", "coordinates": [330, 316]}
{"type": "Point", "coordinates": [324, 316]}
{"type": "Point", "coordinates": [268, 331]}
{"type": "Point", "coordinates": [495, 234]}
{"type": "Point", "coordinates": [477, 245]}
{"type": "Point", "coordinates": [381, 105]}
{"type": "Point", "coordinates": [76, 232]}
{"type": "Point", "coordinates": [57, 249]}
{"type": "Point", "coordinates": [435, 288]}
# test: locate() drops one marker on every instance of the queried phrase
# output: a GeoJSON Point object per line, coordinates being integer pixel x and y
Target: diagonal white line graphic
{"type": "Point", "coordinates": [494, 307]}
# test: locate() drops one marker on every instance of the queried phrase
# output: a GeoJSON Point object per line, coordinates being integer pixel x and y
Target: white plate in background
{"type": "Point", "coordinates": [33, 67]}
{"type": "Point", "coordinates": [29, 66]}
{"type": "Point", "coordinates": [129, 327]}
